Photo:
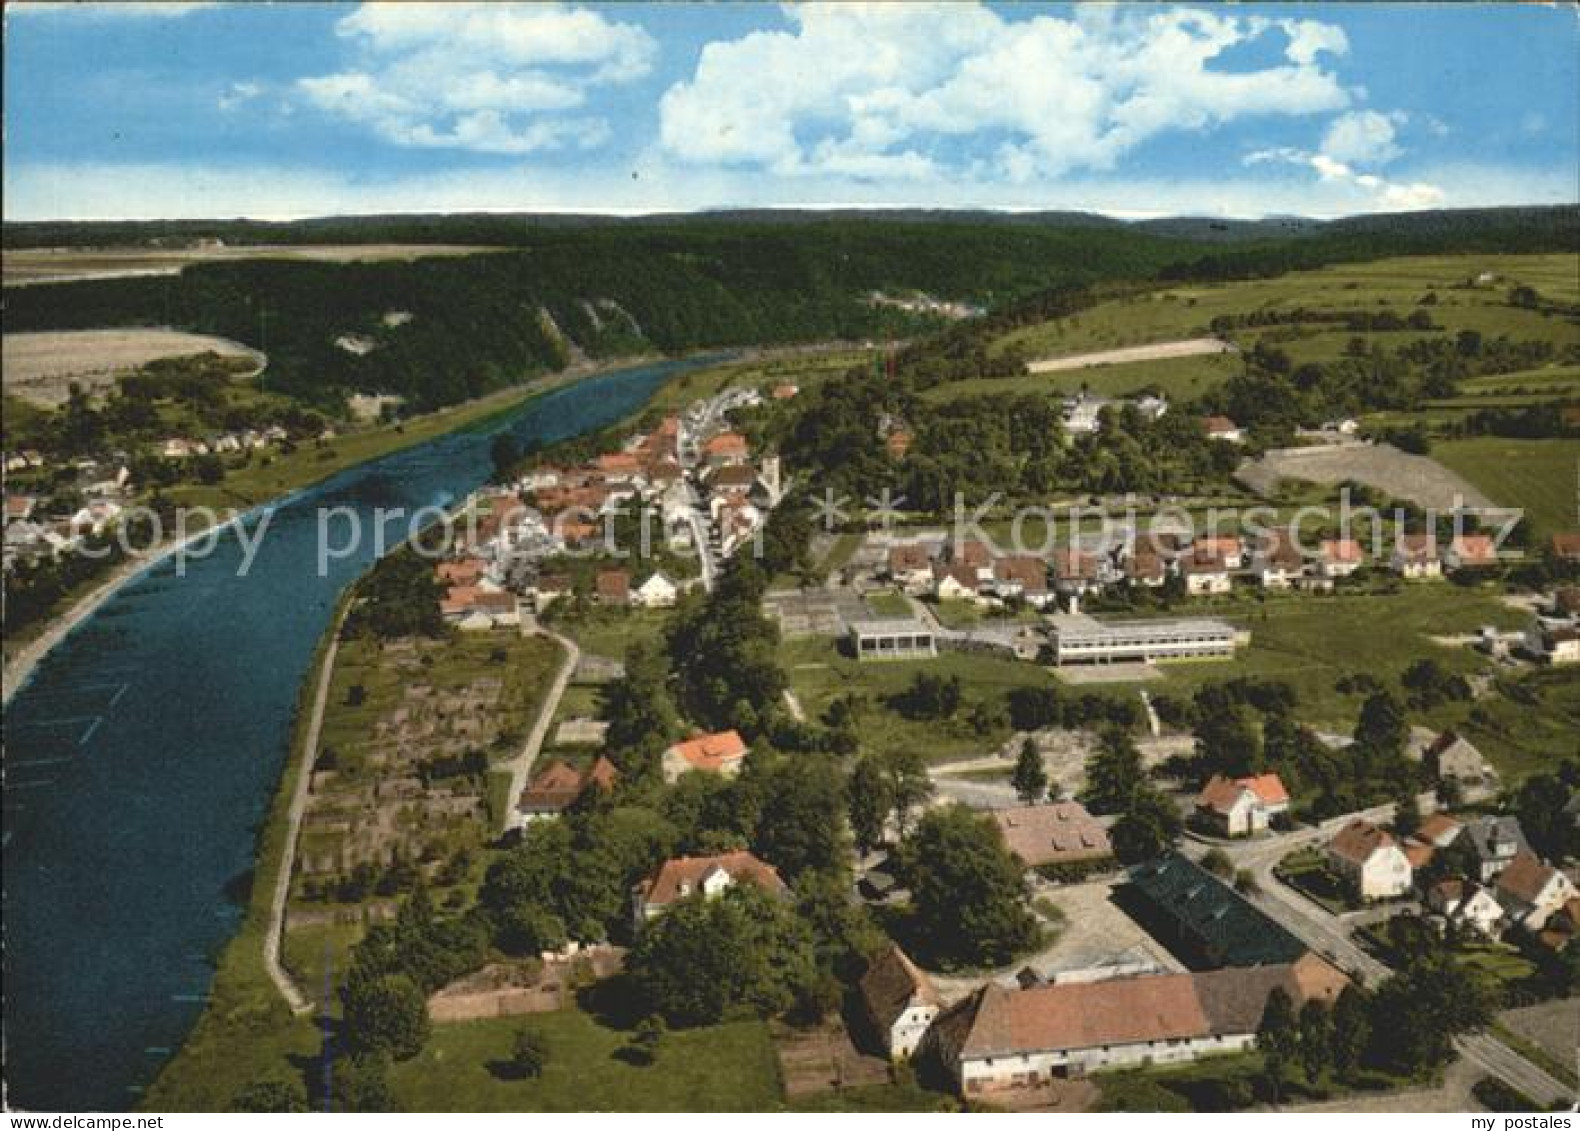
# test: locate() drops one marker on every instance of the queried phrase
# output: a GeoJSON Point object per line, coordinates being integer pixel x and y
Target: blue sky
{"type": "Point", "coordinates": [183, 110]}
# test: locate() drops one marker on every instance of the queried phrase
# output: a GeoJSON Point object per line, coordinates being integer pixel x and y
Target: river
{"type": "Point", "coordinates": [142, 756]}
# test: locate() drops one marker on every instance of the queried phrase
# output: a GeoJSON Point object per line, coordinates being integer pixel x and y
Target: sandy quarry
{"type": "Point", "coordinates": [1420, 479]}
{"type": "Point", "coordinates": [40, 367]}
{"type": "Point", "coordinates": [1158, 351]}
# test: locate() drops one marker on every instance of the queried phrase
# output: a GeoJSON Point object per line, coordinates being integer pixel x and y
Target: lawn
{"type": "Point", "coordinates": [820, 673]}
{"type": "Point", "coordinates": [1540, 476]}
{"type": "Point", "coordinates": [609, 632]}
{"type": "Point", "coordinates": [1311, 640]}
{"type": "Point", "coordinates": [886, 603]}
{"type": "Point", "coordinates": [1396, 284]}
{"type": "Point", "coordinates": [1178, 378]}
{"type": "Point", "coordinates": [727, 1067]}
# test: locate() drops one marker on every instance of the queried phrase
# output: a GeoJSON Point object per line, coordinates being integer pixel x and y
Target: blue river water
{"type": "Point", "coordinates": [143, 755]}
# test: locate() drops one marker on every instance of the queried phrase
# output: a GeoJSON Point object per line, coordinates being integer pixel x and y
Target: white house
{"type": "Point", "coordinates": [999, 1041]}
{"type": "Point", "coordinates": [1338, 557]}
{"type": "Point", "coordinates": [1242, 806]}
{"type": "Point", "coordinates": [1531, 891]}
{"type": "Point", "coordinates": [911, 567]}
{"type": "Point", "coordinates": [900, 1002]}
{"type": "Point", "coordinates": [712, 876]}
{"type": "Point", "coordinates": [1370, 860]}
{"type": "Point", "coordinates": [1559, 645]}
{"type": "Point", "coordinates": [1205, 574]}
{"type": "Point", "coordinates": [723, 753]}
{"type": "Point", "coordinates": [1467, 905]}
{"type": "Point", "coordinates": [1415, 557]}
{"type": "Point", "coordinates": [657, 592]}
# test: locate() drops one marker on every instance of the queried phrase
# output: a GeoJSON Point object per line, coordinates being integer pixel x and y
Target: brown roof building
{"type": "Point", "coordinates": [1061, 832]}
{"type": "Point", "coordinates": [900, 1001]}
{"type": "Point", "coordinates": [684, 876]}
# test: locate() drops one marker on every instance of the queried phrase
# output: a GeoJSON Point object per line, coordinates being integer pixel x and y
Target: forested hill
{"type": "Point", "coordinates": [443, 329]}
{"type": "Point", "coordinates": [439, 330]}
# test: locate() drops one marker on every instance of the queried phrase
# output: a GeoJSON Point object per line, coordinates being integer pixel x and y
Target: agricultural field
{"type": "Point", "coordinates": [1542, 477]}
{"type": "Point", "coordinates": [1185, 312]}
{"type": "Point", "coordinates": [728, 1067]}
{"type": "Point", "coordinates": [40, 368]}
{"type": "Point", "coordinates": [23, 266]}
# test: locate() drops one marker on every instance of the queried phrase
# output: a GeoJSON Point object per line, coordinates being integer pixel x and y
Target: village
{"type": "Point", "coordinates": [1152, 950]}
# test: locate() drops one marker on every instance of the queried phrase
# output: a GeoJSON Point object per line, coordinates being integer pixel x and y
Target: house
{"type": "Point", "coordinates": [725, 448]}
{"type": "Point", "coordinates": [899, 1000]}
{"type": "Point", "coordinates": [722, 753]}
{"type": "Point", "coordinates": [1278, 561]}
{"type": "Point", "coordinates": [19, 508]}
{"type": "Point", "coordinates": [1060, 832]}
{"type": "Point", "coordinates": [1415, 557]}
{"type": "Point", "coordinates": [463, 571]}
{"type": "Point", "coordinates": [1022, 576]}
{"type": "Point", "coordinates": [1083, 414]}
{"type": "Point", "coordinates": [1531, 892]}
{"type": "Point", "coordinates": [1562, 926]}
{"type": "Point", "coordinates": [1565, 547]}
{"type": "Point", "coordinates": [548, 588]}
{"type": "Point", "coordinates": [1553, 645]}
{"type": "Point", "coordinates": [1146, 569]}
{"type": "Point", "coordinates": [1452, 756]}
{"type": "Point", "coordinates": [1001, 1040]}
{"type": "Point", "coordinates": [1466, 904]}
{"type": "Point", "coordinates": [1496, 841]}
{"type": "Point", "coordinates": [1242, 806]}
{"type": "Point", "coordinates": [1204, 572]}
{"type": "Point", "coordinates": [472, 608]}
{"type": "Point", "coordinates": [612, 587]}
{"type": "Point", "coordinates": [1225, 546]}
{"type": "Point", "coordinates": [1439, 830]}
{"type": "Point", "coordinates": [1222, 428]}
{"type": "Point", "coordinates": [955, 581]}
{"type": "Point", "coordinates": [1471, 551]}
{"type": "Point", "coordinates": [1370, 860]}
{"type": "Point", "coordinates": [712, 876]}
{"type": "Point", "coordinates": [898, 443]}
{"type": "Point", "coordinates": [910, 567]}
{"type": "Point", "coordinates": [1338, 557]}
{"type": "Point", "coordinates": [732, 479]}
{"type": "Point", "coordinates": [1564, 603]}
{"type": "Point", "coordinates": [657, 592]}
{"type": "Point", "coordinates": [1076, 571]}
{"type": "Point", "coordinates": [559, 785]}
{"type": "Point", "coordinates": [784, 392]}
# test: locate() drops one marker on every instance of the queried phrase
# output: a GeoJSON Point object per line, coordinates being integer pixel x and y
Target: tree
{"type": "Point", "coordinates": [801, 807]}
{"type": "Point", "coordinates": [1382, 726]}
{"type": "Point", "coordinates": [967, 893]}
{"type": "Point", "coordinates": [1419, 1012]}
{"type": "Point", "coordinates": [529, 1053]}
{"type": "Point", "coordinates": [386, 1014]}
{"type": "Point", "coordinates": [1030, 779]}
{"type": "Point", "coordinates": [1316, 1040]}
{"type": "Point", "coordinates": [271, 1096]}
{"type": "Point", "coordinates": [360, 1083]}
{"type": "Point", "coordinates": [1351, 1030]}
{"type": "Point", "coordinates": [869, 797]}
{"type": "Point", "coordinates": [1113, 773]}
{"type": "Point", "coordinates": [1217, 861]}
{"type": "Point", "coordinates": [909, 783]}
{"type": "Point", "coordinates": [1407, 813]}
{"type": "Point", "coordinates": [1149, 826]}
{"type": "Point", "coordinates": [1278, 1040]}
{"type": "Point", "coordinates": [1227, 738]}
{"type": "Point", "coordinates": [708, 957]}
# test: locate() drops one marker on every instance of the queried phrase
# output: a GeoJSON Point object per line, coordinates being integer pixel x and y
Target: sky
{"type": "Point", "coordinates": [130, 111]}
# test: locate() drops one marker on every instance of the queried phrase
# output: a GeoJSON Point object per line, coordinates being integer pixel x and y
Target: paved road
{"type": "Point", "coordinates": [521, 765]}
{"type": "Point", "coordinates": [272, 937]}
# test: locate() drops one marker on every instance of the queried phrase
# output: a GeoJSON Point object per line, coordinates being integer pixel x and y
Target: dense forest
{"type": "Point", "coordinates": [440, 330]}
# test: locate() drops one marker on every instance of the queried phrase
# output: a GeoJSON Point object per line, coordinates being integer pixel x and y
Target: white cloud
{"type": "Point", "coordinates": [239, 94]}
{"type": "Point", "coordinates": [889, 86]}
{"type": "Point", "coordinates": [1364, 137]}
{"type": "Point", "coordinates": [488, 78]}
{"type": "Point", "coordinates": [1386, 194]}
{"type": "Point", "coordinates": [108, 9]}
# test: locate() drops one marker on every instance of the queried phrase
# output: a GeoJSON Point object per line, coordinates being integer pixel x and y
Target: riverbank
{"type": "Point", "coordinates": [247, 1031]}
{"type": "Point", "coordinates": [251, 488]}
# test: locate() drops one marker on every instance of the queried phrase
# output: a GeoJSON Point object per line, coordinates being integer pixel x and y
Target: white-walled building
{"type": "Point", "coordinates": [1370, 860]}
{"type": "Point", "coordinates": [900, 1002]}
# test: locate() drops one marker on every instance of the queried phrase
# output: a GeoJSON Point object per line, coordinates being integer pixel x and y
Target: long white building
{"type": "Point", "coordinates": [1075, 638]}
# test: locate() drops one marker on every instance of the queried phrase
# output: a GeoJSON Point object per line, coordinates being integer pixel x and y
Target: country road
{"type": "Point", "coordinates": [1157, 351]}
{"type": "Point", "coordinates": [521, 765]}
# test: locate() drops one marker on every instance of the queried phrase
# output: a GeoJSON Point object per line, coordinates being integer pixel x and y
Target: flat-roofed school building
{"type": "Point", "coordinates": [1075, 638]}
{"type": "Point", "coordinates": [892, 638]}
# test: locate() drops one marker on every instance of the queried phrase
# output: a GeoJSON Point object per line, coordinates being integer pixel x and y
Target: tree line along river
{"type": "Point", "coordinates": [143, 754]}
